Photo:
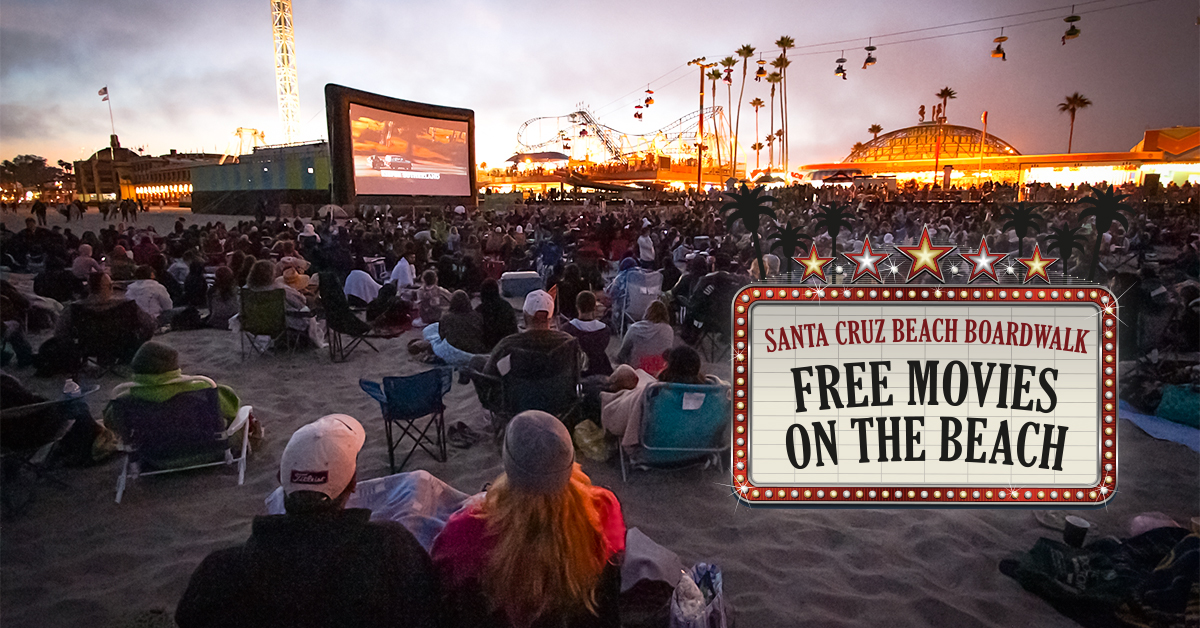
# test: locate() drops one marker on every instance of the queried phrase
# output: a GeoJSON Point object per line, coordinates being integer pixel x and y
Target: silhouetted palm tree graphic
{"type": "Point", "coordinates": [1021, 218]}
{"type": "Point", "coordinates": [749, 206]}
{"type": "Point", "coordinates": [787, 239]}
{"type": "Point", "coordinates": [1107, 207]}
{"type": "Point", "coordinates": [833, 218]}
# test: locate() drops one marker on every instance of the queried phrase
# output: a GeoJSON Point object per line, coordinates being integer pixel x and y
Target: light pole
{"type": "Point", "coordinates": [699, 61]}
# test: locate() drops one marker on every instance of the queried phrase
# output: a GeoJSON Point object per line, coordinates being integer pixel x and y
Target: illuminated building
{"type": "Point", "coordinates": [925, 152]}
{"type": "Point", "coordinates": [107, 175]}
{"type": "Point", "coordinates": [296, 175]}
{"type": "Point", "coordinates": [116, 173]}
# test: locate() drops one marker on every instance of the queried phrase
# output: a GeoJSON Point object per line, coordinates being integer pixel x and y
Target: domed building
{"type": "Point", "coordinates": [925, 140]}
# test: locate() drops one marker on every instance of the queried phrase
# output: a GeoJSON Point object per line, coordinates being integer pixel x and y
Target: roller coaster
{"type": "Point", "coordinates": [579, 136]}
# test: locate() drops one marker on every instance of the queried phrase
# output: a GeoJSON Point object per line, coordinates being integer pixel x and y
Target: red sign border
{"type": "Point", "coordinates": [925, 495]}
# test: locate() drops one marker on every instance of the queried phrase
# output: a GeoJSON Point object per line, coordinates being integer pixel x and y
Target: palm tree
{"type": "Point", "coordinates": [1066, 241]}
{"type": "Point", "coordinates": [874, 130]}
{"type": "Point", "coordinates": [946, 94]}
{"type": "Point", "coordinates": [729, 63]}
{"type": "Point", "coordinates": [773, 78]}
{"type": "Point", "coordinates": [1073, 103]}
{"type": "Point", "coordinates": [756, 147]}
{"type": "Point", "coordinates": [714, 75]}
{"type": "Point", "coordinates": [857, 147]}
{"type": "Point", "coordinates": [745, 52]}
{"type": "Point", "coordinates": [781, 63]}
{"type": "Point", "coordinates": [757, 103]}
{"type": "Point", "coordinates": [788, 239]}
{"type": "Point", "coordinates": [1021, 218]}
{"type": "Point", "coordinates": [749, 206]}
{"type": "Point", "coordinates": [834, 217]}
{"type": "Point", "coordinates": [1106, 207]}
{"type": "Point", "coordinates": [785, 43]}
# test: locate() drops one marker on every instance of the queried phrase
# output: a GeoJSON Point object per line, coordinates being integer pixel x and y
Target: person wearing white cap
{"type": "Point", "coordinates": [538, 337]}
{"type": "Point", "coordinates": [543, 547]}
{"type": "Point", "coordinates": [320, 564]}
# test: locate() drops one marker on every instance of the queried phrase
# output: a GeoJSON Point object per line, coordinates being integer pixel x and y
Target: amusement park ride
{"type": "Point", "coordinates": [583, 139]}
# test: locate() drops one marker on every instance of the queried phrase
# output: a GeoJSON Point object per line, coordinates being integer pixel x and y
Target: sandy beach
{"type": "Point", "coordinates": [77, 558]}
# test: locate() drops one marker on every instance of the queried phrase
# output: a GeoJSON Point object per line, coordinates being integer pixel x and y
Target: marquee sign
{"type": "Point", "coordinates": [924, 394]}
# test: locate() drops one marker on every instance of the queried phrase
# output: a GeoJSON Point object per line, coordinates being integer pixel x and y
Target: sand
{"type": "Point", "coordinates": [77, 558]}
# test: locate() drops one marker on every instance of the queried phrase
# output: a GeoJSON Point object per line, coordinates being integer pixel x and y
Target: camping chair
{"type": "Point", "coordinates": [680, 423]}
{"type": "Point", "coordinates": [641, 289]}
{"type": "Point", "coordinates": [28, 435]}
{"type": "Point", "coordinates": [184, 432]}
{"type": "Point", "coordinates": [534, 381]}
{"type": "Point", "coordinates": [109, 335]}
{"type": "Point", "coordinates": [340, 320]}
{"type": "Point", "coordinates": [404, 400]}
{"type": "Point", "coordinates": [263, 313]}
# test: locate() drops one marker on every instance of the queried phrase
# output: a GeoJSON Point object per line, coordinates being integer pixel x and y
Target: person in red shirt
{"type": "Point", "coordinates": [543, 547]}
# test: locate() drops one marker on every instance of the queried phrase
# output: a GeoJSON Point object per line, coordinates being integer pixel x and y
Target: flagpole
{"type": "Point", "coordinates": [111, 124]}
{"type": "Point", "coordinates": [982, 139]}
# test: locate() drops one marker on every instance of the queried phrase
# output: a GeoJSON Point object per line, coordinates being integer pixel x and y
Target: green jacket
{"type": "Point", "coordinates": [161, 387]}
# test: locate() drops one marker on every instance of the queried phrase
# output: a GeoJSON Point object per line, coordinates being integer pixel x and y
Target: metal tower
{"type": "Point", "coordinates": [285, 67]}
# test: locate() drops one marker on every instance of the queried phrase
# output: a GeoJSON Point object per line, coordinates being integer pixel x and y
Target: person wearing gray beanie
{"type": "Point", "coordinates": [544, 546]}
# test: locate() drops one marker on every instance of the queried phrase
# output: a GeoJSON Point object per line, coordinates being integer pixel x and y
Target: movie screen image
{"type": "Point", "coordinates": [398, 154]}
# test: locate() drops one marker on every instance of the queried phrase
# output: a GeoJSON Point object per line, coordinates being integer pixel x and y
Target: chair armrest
{"type": "Point", "coordinates": [474, 374]}
{"type": "Point", "coordinates": [374, 389]}
{"type": "Point", "coordinates": [242, 420]}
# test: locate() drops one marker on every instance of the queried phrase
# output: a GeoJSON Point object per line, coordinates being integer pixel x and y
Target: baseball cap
{"type": "Point", "coordinates": [322, 456]}
{"type": "Point", "coordinates": [538, 301]}
{"type": "Point", "coordinates": [538, 454]}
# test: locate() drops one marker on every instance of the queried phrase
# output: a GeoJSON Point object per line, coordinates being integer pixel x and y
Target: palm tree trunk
{"type": "Point", "coordinates": [771, 145]}
{"type": "Point", "coordinates": [762, 267]}
{"type": "Point", "coordinates": [716, 127]}
{"type": "Point", "coordinates": [1071, 136]}
{"type": "Point", "coordinates": [758, 151]}
{"type": "Point", "coordinates": [1095, 257]}
{"type": "Point", "coordinates": [784, 121]}
{"type": "Point", "coordinates": [738, 125]}
{"type": "Point", "coordinates": [729, 125]}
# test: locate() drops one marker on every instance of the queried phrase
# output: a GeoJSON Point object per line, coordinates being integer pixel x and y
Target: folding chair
{"type": "Point", "coordinates": [680, 423]}
{"type": "Point", "coordinates": [28, 435]}
{"type": "Point", "coordinates": [404, 400]}
{"type": "Point", "coordinates": [263, 313]}
{"type": "Point", "coordinates": [182, 433]}
{"type": "Point", "coordinates": [641, 289]}
{"type": "Point", "coordinates": [340, 320]}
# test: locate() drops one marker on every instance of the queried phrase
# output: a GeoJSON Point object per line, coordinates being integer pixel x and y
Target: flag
{"type": "Point", "coordinates": [983, 118]}
{"type": "Point", "coordinates": [103, 91]}
{"type": "Point", "coordinates": [104, 99]}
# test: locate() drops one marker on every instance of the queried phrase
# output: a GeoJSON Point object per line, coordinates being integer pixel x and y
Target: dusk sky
{"type": "Point", "coordinates": [184, 75]}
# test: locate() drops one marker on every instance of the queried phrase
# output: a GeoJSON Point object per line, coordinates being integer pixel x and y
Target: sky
{"type": "Point", "coordinates": [185, 75]}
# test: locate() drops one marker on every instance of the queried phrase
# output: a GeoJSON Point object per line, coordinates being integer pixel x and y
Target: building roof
{"type": "Point", "coordinates": [1180, 143]}
{"type": "Point", "coordinates": [921, 141]}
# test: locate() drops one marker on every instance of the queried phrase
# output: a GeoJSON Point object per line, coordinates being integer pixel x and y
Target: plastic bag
{"type": "Point", "coordinates": [589, 439]}
{"type": "Point", "coordinates": [699, 599]}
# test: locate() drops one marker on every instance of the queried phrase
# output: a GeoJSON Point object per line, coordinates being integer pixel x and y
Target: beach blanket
{"type": "Point", "coordinates": [415, 499]}
{"type": "Point", "coordinates": [1160, 428]}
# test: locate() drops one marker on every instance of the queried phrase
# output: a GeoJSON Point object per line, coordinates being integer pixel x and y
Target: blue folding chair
{"type": "Point", "coordinates": [181, 433]}
{"type": "Point", "coordinates": [404, 400]}
{"type": "Point", "coordinates": [680, 423]}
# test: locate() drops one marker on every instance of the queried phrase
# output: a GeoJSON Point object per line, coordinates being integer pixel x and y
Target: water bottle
{"type": "Point", "coordinates": [70, 388]}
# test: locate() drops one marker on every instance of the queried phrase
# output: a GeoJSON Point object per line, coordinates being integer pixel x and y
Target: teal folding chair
{"type": "Point", "coordinates": [681, 423]}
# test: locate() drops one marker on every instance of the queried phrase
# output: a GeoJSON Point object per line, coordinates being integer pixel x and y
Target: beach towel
{"type": "Point", "coordinates": [1160, 428]}
{"type": "Point", "coordinates": [415, 499]}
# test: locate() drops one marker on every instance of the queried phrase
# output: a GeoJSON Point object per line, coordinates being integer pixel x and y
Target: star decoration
{"type": "Point", "coordinates": [814, 264]}
{"type": "Point", "coordinates": [983, 261]}
{"type": "Point", "coordinates": [925, 257]}
{"type": "Point", "coordinates": [1036, 266]}
{"type": "Point", "coordinates": [866, 261]}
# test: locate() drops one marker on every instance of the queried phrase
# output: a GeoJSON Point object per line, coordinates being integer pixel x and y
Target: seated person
{"type": "Point", "coordinates": [621, 409]}
{"type": "Point", "coordinates": [432, 299]}
{"type": "Point", "coordinates": [151, 296]}
{"type": "Point", "coordinates": [402, 273]}
{"type": "Point", "coordinates": [458, 336]}
{"type": "Point", "coordinates": [569, 287]}
{"type": "Point", "coordinates": [84, 443]}
{"type": "Point", "coordinates": [57, 282]}
{"type": "Point", "coordinates": [711, 300]}
{"type": "Point", "coordinates": [223, 301]}
{"type": "Point", "coordinates": [543, 547]}
{"type": "Point", "coordinates": [319, 564]}
{"type": "Point", "coordinates": [120, 264]}
{"type": "Point", "coordinates": [262, 279]}
{"type": "Point", "coordinates": [100, 298]}
{"type": "Point", "coordinates": [360, 289]}
{"type": "Point", "coordinates": [646, 340]}
{"type": "Point", "coordinates": [592, 334]}
{"type": "Point", "coordinates": [538, 337]}
{"type": "Point", "coordinates": [157, 378]}
{"type": "Point", "coordinates": [84, 264]}
{"type": "Point", "coordinates": [499, 317]}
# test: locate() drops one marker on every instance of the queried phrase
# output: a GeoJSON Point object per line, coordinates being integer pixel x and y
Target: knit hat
{"type": "Point", "coordinates": [155, 358]}
{"type": "Point", "coordinates": [538, 454]}
{"type": "Point", "coordinates": [322, 456]}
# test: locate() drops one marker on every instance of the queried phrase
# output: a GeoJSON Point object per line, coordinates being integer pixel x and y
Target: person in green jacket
{"type": "Point", "coordinates": [157, 378]}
